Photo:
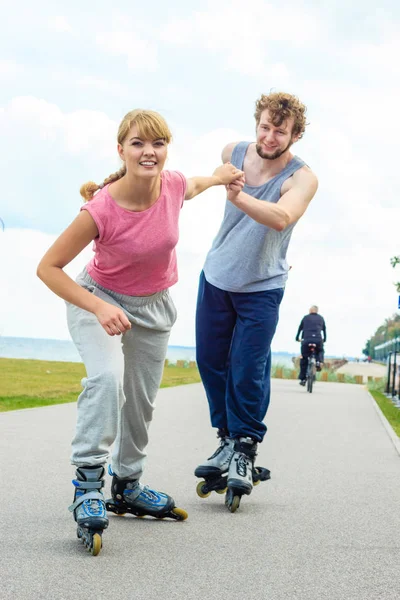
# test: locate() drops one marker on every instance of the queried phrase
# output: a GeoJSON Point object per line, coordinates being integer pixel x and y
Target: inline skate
{"type": "Point", "coordinates": [89, 507]}
{"type": "Point", "coordinates": [129, 496]}
{"type": "Point", "coordinates": [214, 469]}
{"type": "Point", "coordinates": [242, 474]}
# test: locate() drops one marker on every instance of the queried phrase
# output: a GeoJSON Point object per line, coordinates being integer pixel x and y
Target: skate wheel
{"type": "Point", "coordinates": [200, 492]}
{"type": "Point", "coordinates": [96, 544]}
{"type": "Point", "coordinates": [221, 491]}
{"type": "Point", "coordinates": [235, 504]}
{"type": "Point", "coordinates": [256, 482]}
{"type": "Point", "coordinates": [140, 516]}
{"type": "Point", "coordinates": [181, 515]}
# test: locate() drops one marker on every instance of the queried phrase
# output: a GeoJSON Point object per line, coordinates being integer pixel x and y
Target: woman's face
{"type": "Point", "coordinates": [143, 158]}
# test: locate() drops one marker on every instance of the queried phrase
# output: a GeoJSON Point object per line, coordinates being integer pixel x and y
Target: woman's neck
{"type": "Point", "coordinates": [136, 193]}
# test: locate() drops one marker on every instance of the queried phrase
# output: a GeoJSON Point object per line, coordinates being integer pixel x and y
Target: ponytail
{"type": "Point", "coordinates": [88, 189]}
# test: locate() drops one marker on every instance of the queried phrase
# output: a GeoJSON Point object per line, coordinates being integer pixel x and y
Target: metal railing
{"type": "Point", "coordinates": [382, 351]}
{"type": "Point", "coordinates": [391, 352]}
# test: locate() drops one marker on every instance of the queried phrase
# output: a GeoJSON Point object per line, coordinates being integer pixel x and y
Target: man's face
{"type": "Point", "coordinates": [272, 140]}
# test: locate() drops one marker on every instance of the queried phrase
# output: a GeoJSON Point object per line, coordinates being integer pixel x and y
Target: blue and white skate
{"type": "Point", "coordinates": [89, 507]}
{"type": "Point", "coordinates": [129, 496]}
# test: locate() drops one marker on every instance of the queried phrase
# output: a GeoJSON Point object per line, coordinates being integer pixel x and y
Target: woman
{"type": "Point", "coordinates": [120, 314]}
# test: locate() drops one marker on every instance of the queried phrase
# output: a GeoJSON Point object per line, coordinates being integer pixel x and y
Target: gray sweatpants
{"type": "Point", "coordinates": [123, 375]}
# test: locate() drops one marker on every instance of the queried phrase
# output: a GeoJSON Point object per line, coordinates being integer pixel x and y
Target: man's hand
{"type": "Point", "coordinates": [227, 173]}
{"type": "Point", "coordinates": [234, 188]}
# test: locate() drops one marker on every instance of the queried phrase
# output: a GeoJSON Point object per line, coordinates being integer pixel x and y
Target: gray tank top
{"type": "Point", "coordinates": [245, 255]}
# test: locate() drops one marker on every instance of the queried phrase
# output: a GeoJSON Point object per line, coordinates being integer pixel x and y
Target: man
{"type": "Point", "coordinates": [312, 326]}
{"type": "Point", "coordinates": [242, 285]}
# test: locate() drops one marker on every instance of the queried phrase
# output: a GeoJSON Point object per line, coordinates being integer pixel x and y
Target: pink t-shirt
{"type": "Point", "coordinates": [135, 251]}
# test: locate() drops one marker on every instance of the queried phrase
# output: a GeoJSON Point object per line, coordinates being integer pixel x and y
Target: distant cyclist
{"type": "Point", "coordinates": [312, 330]}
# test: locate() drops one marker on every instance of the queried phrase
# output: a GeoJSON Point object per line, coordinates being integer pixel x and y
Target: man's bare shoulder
{"type": "Point", "coordinates": [227, 152]}
{"type": "Point", "coordinates": [305, 177]}
{"type": "Point", "coordinates": [306, 174]}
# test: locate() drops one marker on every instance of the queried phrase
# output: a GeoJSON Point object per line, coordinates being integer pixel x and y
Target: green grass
{"type": "Point", "coordinates": [332, 376]}
{"type": "Point", "coordinates": [391, 412]}
{"type": "Point", "coordinates": [33, 383]}
{"type": "Point", "coordinates": [287, 373]}
{"type": "Point", "coordinates": [378, 386]}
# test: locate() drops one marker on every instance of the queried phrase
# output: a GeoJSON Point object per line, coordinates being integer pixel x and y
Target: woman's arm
{"type": "Point", "coordinates": [71, 242]}
{"type": "Point", "coordinates": [223, 175]}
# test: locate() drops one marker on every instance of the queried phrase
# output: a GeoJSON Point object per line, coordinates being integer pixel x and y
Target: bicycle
{"type": "Point", "coordinates": [311, 368]}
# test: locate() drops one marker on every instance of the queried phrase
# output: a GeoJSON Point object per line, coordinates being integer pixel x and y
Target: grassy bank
{"type": "Point", "coordinates": [391, 412]}
{"type": "Point", "coordinates": [33, 383]}
{"type": "Point", "coordinates": [283, 372]}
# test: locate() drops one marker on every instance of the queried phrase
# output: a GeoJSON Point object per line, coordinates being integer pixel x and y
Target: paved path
{"type": "Point", "coordinates": [326, 526]}
{"type": "Point", "coordinates": [364, 369]}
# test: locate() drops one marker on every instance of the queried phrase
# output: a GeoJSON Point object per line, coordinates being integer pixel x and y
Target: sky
{"type": "Point", "coordinates": [68, 75]}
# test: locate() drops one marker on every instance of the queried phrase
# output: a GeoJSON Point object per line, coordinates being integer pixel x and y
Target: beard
{"type": "Point", "coordinates": [276, 154]}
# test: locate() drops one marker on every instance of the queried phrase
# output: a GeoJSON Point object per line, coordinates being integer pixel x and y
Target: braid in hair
{"type": "Point", "coordinates": [88, 189]}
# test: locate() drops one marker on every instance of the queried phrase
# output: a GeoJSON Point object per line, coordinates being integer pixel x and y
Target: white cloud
{"type": "Point", "coordinates": [141, 54]}
{"type": "Point", "coordinates": [9, 68]}
{"type": "Point", "coordinates": [245, 38]}
{"type": "Point", "coordinates": [60, 23]}
{"type": "Point", "coordinates": [107, 86]}
{"type": "Point", "coordinates": [60, 151]}
{"type": "Point", "coordinates": [77, 132]}
{"type": "Point", "coordinates": [28, 308]}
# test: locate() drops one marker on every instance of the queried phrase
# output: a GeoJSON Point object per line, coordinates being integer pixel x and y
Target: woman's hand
{"type": "Point", "coordinates": [227, 173]}
{"type": "Point", "coordinates": [113, 320]}
{"type": "Point", "coordinates": [234, 188]}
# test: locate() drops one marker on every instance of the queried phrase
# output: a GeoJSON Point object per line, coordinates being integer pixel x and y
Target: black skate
{"type": "Point", "coordinates": [212, 483]}
{"type": "Point", "coordinates": [214, 470]}
{"type": "Point", "coordinates": [242, 474]}
{"type": "Point", "coordinates": [89, 507]}
{"type": "Point", "coordinates": [129, 496]}
{"type": "Point", "coordinates": [260, 474]}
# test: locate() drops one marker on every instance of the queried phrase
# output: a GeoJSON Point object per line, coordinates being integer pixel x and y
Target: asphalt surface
{"type": "Point", "coordinates": [326, 525]}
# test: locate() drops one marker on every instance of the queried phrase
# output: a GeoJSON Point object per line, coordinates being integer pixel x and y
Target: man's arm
{"type": "Point", "coordinates": [324, 329]}
{"type": "Point", "coordinates": [227, 152]}
{"type": "Point", "coordinates": [289, 208]}
{"type": "Point", "coordinates": [300, 329]}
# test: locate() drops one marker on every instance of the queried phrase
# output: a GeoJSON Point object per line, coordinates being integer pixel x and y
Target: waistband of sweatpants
{"type": "Point", "coordinates": [132, 300]}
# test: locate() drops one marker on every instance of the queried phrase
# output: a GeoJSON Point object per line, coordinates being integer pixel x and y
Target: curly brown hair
{"type": "Point", "coordinates": [281, 107]}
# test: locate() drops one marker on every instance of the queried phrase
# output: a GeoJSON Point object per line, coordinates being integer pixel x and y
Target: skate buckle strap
{"type": "Point", "coordinates": [88, 485]}
{"type": "Point", "coordinates": [88, 496]}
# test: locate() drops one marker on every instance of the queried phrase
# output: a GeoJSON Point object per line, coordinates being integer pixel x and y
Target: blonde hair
{"type": "Point", "coordinates": [151, 126]}
{"type": "Point", "coordinates": [281, 107]}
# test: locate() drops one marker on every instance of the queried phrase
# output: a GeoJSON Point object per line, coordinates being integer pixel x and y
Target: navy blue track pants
{"type": "Point", "coordinates": [234, 332]}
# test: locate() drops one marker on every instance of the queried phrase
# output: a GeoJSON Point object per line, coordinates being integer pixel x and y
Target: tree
{"type": "Point", "coordinates": [394, 262]}
{"type": "Point", "coordinates": [367, 349]}
{"type": "Point", "coordinates": [389, 330]}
